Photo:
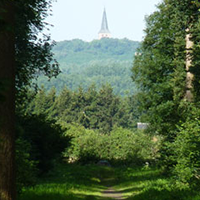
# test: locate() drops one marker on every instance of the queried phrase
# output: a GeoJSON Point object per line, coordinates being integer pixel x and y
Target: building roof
{"type": "Point", "coordinates": [104, 24]}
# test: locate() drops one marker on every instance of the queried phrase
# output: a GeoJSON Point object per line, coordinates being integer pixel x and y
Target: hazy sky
{"type": "Point", "coordinates": [82, 18]}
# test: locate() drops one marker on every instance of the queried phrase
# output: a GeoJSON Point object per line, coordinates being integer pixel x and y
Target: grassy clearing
{"type": "Point", "coordinates": [88, 182]}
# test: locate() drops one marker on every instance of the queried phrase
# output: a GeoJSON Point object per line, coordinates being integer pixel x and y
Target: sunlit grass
{"type": "Point", "coordinates": [68, 182]}
{"type": "Point", "coordinates": [150, 184]}
{"type": "Point", "coordinates": [75, 182]}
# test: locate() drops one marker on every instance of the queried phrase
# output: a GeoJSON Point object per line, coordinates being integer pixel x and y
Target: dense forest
{"type": "Point", "coordinates": [97, 62]}
{"type": "Point", "coordinates": [56, 138]}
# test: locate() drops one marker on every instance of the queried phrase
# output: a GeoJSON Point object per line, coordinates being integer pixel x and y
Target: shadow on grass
{"type": "Point", "coordinates": [90, 182]}
{"type": "Point", "coordinates": [151, 185]}
{"type": "Point", "coordinates": [154, 194]}
{"type": "Point", "coordinates": [150, 194]}
{"type": "Point", "coordinates": [71, 182]}
{"type": "Point", "coordinates": [57, 196]}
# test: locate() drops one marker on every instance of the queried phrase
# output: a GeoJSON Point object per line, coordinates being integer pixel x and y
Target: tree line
{"type": "Point", "coordinates": [94, 109]}
{"type": "Point", "coordinates": [80, 52]}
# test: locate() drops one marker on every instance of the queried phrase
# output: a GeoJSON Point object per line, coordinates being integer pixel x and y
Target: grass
{"type": "Point", "coordinates": [76, 182]}
{"type": "Point", "coordinates": [72, 182]}
{"type": "Point", "coordinates": [149, 184]}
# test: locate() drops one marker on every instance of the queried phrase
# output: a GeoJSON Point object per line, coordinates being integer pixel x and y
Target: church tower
{"type": "Point", "coordinates": [104, 32]}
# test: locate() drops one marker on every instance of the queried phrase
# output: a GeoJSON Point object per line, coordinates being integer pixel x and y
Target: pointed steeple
{"type": "Point", "coordinates": [104, 32]}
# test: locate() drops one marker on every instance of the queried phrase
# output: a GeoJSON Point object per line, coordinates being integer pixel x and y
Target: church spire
{"type": "Point", "coordinates": [104, 32]}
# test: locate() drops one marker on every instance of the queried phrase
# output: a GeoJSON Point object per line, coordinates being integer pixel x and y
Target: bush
{"type": "Point", "coordinates": [187, 151]}
{"type": "Point", "coordinates": [83, 145]}
{"type": "Point", "coordinates": [132, 147]}
{"type": "Point", "coordinates": [121, 146]}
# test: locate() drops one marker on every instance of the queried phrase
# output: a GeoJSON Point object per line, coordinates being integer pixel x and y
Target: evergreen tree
{"type": "Point", "coordinates": [62, 103]}
{"type": "Point", "coordinates": [107, 108]}
{"type": "Point", "coordinates": [93, 109]}
{"type": "Point", "coordinates": [88, 116]}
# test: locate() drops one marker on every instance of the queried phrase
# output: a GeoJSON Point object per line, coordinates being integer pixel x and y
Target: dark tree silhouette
{"type": "Point", "coordinates": [7, 104]}
{"type": "Point", "coordinates": [23, 56]}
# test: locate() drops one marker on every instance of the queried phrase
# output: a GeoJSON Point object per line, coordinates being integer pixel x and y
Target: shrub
{"type": "Point", "coordinates": [187, 151]}
{"type": "Point", "coordinates": [132, 147]}
{"type": "Point", "coordinates": [120, 145]}
{"type": "Point", "coordinates": [83, 145]}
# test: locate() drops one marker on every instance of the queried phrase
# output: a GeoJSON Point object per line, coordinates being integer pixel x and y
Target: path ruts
{"type": "Point", "coordinates": [111, 193]}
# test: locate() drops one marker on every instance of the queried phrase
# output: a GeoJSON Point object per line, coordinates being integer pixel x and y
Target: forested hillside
{"type": "Point", "coordinates": [97, 62]}
{"type": "Point", "coordinates": [79, 52]}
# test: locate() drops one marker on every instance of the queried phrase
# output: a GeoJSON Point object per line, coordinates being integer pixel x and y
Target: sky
{"type": "Point", "coordinates": [81, 19]}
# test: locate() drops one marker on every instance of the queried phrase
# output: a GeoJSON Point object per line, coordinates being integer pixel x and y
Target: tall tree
{"type": "Point", "coordinates": [160, 69]}
{"type": "Point", "coordinates": [23, 56]}
{"type": "Point", "coordinates": [153, 71]}
{"type": "Point", "coordinates": [33, 48]}
{"type": "Point", "coordinates": [7, 106]}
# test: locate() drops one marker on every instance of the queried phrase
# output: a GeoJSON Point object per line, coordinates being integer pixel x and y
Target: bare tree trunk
{"type": "Point", "coordinates": [7, 105]}
{"type": "Point", "coordinates": [189, 75]}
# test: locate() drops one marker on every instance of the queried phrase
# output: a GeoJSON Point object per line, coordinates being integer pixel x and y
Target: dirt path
{"type": "Point", "coordinates": [111, 193]}
{"type": "Point", "coordinates": [108, 179]}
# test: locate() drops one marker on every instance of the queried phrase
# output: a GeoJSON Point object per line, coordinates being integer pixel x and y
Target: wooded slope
{"type": "Point", "coordinates": [97, 62]}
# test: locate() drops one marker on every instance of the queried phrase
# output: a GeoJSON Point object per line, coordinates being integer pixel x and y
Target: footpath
{"type": "Point", "coordinates": [111, 193]}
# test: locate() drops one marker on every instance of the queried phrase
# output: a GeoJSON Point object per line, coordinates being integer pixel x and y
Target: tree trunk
{"type": "Point", "coordinates": [7, 105]}
{"type": "Point", "coordinates": [189, 75]}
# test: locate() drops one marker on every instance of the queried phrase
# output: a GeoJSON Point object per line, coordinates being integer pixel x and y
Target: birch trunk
{"type": "Point", "coordinates": [189, 75]}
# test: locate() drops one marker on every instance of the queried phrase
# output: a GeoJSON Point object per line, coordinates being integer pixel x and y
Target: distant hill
{"type": "Point", "coordinates": [97, 62]}
{"type": "Point", "coordinates": [80, 52]}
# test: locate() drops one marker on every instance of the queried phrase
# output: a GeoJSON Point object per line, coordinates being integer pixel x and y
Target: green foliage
{"type": "Point", "coordinates": [100, 61]}
{"type": "Point", "coordinates": [132, 147]}
{"type": "Point", "coordinates": [120, 146]}
{"type": "Point", "coordinates": [45, 139]}
{"type": "Point", "coordinates": [93, 109]}
{"type": "Point", "coordinates": [187, 148]}
{"type": "Point", "coordinates": [42, 104]}
{"type": "Point", "coordinates": [160, 74]}
{"type": "Point", "coordinates": [26, 168]}
{"type": "Point", "coordinates": [32, 49]}
{"type": "Point", "coordinates": [32, 56]}
{"type": "Point", "coordinates": [79, 52]}
{"type": "Point", "coordinates": [159, 71]}
{"type": "Point", "coordinates": [117, 74]}
{"type": "Point", "coordinates": [153, 72]}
